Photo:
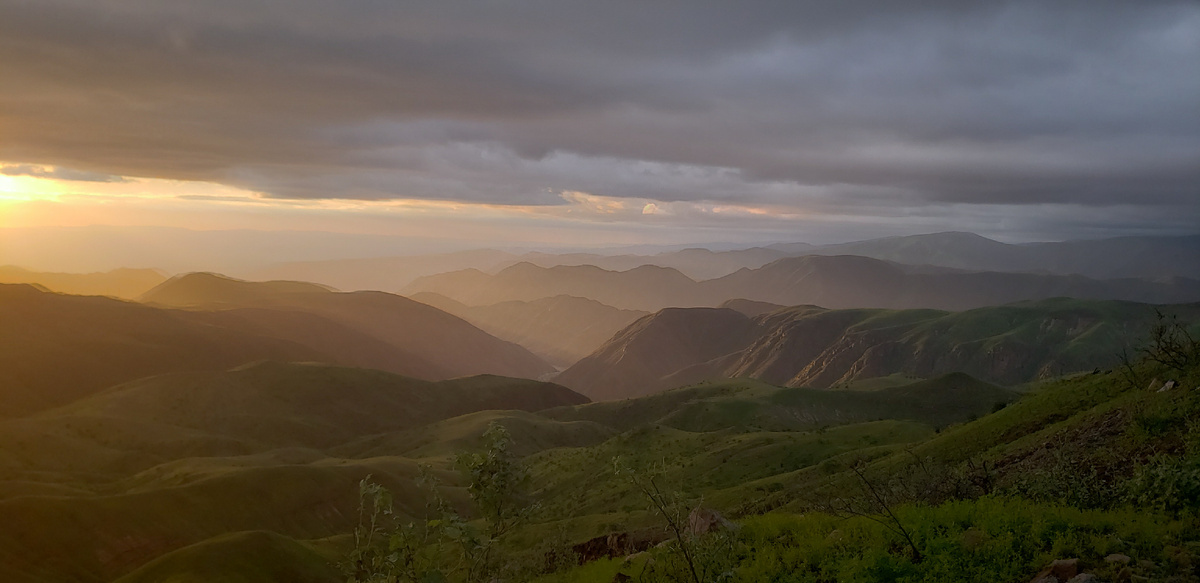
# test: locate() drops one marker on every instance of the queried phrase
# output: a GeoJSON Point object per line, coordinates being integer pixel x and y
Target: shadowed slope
{"type": "Point", "coordinates": [638, 359]}
{"type": "Point", "coordinates": [55, 348]}
{"type": "Point", "coordinates": [242, 557]}
{"type": "Point", "coordinates": [277, 404]}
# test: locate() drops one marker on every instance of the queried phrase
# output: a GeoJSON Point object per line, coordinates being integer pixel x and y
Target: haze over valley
{"type": "Point", "coordinates": [558, 292]}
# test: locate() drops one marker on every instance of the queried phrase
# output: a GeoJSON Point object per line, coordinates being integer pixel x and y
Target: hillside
{"type": "Point", "coordinates": [118, 283]}
{"type": "Point", "coordinates": [561, 329]}
{"type": "Point", "coordinates": [56, 348]}
{"type": "Point", "coordinates": [831, 281]}
{"type": "Point", "coordinates": [108, 341]}
{"type": "Point", "coordinates": [433, 343]}
{"type": "Point", "coordinates": [265, 408]}
{"type": "Point", "coordinates": [811, 346]}
{"type": "Point", "coordinates": [743, 446]}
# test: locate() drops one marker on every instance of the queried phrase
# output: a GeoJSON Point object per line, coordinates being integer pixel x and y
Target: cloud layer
{"type": "Point", "coordinates": [837, 108]}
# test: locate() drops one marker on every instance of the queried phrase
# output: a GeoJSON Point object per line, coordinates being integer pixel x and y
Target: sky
{"type": "Point", "coordinates": [603, 123]}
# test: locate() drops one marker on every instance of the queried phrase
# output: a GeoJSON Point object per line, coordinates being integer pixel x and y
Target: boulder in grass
{"type": "Point", "coordinates": [1060, 571]}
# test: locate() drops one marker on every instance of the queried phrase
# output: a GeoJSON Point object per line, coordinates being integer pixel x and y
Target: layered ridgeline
{"type": "Point", "coordinates": [1124, 257]}
{"type": "Point", "coordinates": [830, 281]}
{"type": "Point", "coordinates": [118, 283]}
{"type": "Point", "coordinates": [444, 345]}
{"type": "Point", "coordinates": [818, 347]}
{"type": "Point", "coordinates": [58, 348]}
{"type": "Point", "coordinates": [561, 329]}
{"type": "Point", "coordinates": [1121, 257]}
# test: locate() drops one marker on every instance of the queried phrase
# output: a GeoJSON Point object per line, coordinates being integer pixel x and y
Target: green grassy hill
{"type": "Point", "coordinates": [812, 346]}
{"type": "Point", "coordinates": [251, 474]}
{"type": "Point", "coordinates": [244, 557]}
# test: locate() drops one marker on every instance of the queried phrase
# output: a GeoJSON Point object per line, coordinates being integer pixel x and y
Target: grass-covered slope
{"type": "Point", "coordinates": [243, 557]}
{"type": "Point", "coordinates": [812, 346]}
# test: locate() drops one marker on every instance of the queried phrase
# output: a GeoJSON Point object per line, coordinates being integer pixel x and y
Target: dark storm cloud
{"type": "Point", "coordinates": [827, 105]}
{"type": "Point", "coordinates": [57, 173]}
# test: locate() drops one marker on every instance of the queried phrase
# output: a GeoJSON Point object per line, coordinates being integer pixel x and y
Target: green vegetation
{"type": "Point", "coordinates": [250, 474]}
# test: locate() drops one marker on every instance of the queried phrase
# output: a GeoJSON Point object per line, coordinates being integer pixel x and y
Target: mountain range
{"type": "Point", "coordinates": [823, 348]}
{"type": "Point", "coordinates": [228, 323]}
{"type": "Point", "coordinates": [1123, 257]}
{"type": "Point", "coordinates": [842, 281]}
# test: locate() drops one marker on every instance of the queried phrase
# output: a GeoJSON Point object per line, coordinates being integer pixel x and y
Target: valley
{"type": "Point", "coordinates": [213, 428]}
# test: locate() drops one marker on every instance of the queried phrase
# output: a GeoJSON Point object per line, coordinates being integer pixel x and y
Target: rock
{"type": "Point", "coordinates": [617, 544]}
{"type": "Point", "coordinates": [1117, 558]}
{"type": "Point", "coordinates": [702, 521]}
{"type": "Point", "coordinates": [1083, 578]}
{"type": "Point", "coordinates": [1059, 571]}
{"type": "Point", "coordinates": [1167, 386]}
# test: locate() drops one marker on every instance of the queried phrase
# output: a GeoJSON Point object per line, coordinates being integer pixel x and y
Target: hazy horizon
{"type": "Point", "coordinates": [574, 126]}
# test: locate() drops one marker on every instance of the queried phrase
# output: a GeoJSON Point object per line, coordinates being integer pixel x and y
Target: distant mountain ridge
{"type": "Point", "coordinates": [1122, 257]}
{"type": "Point", "coordinates": [444, 345]}
{"type": "Point", "coordinates": [819, 347]}
{"type": "Point", "coordinates": [58, 348]}
{"type": "Point", "coordinates": [830, 281]}
{"type": "Point", "coordinates": [118, 283]}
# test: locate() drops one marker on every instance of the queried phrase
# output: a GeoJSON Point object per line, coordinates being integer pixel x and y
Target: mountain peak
{"type": "Point", "coordinates": [206, 288]}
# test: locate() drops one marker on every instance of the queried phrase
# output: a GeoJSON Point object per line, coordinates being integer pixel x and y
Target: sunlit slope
{"type": "Point", "coordinates": [561, 329]}
{"type": "Point", "coordinates": [811, 346]}
{"type": "Point", "coordinates": [842, 281]}
{"type": "Point", "coordinates": [120, 283]}
{"type": "Point", "coordinates": [447, 344]}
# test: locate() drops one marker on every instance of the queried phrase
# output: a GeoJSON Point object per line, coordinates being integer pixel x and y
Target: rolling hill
{"type": "Point", "coordinates": [430, 343]}
{"type": "Point", "coordinates": [58, 348]}
{"type": "Point", "coordinates": [812, 346]}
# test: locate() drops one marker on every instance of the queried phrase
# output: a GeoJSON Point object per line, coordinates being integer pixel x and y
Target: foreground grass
{"type": "Point", "coordinates": [989, 539]}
